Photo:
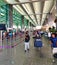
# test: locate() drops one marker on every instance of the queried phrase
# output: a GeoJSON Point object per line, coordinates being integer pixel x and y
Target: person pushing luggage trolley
{"type": "Point", "coordinates": [38, 41]}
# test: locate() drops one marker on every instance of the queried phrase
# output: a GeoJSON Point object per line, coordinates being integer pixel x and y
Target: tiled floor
{"type": "Point", "coordinates": [17, 56]}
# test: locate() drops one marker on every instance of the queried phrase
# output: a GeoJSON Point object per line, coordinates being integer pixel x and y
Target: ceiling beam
{"type": "Point", "coordinates": [32, 8]}
{"type": "Point", "coordinates": [34, 1]}
{"type": "Point", "coordinates": [50, 8]}
{"type": "Point", "coordinates": [25, 12]}
{"type": "Point", "coordinates": [42, 6]}
{"type": "Point", "coordinates": [38, 14]}
{"type": "Point", "coordinates": [18, 2]}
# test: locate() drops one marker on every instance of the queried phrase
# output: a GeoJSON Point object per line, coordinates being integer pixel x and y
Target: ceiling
{"type": "Point", "coordinates": [34, 10]}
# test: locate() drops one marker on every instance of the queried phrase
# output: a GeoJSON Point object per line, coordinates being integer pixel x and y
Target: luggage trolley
{"type": "Point", "coordinates": [38, 42]}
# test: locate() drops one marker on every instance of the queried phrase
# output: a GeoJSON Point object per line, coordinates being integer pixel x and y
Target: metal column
{"type": "Point", "coordinates": [22, 22]}
{"type": "Point", "coordinates": [56, 13]}
{"type": "Point", "coordinates": [9, 15]}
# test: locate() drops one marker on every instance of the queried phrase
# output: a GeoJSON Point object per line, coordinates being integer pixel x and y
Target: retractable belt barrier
{"type": "Point", "coordinates": [12, 41]}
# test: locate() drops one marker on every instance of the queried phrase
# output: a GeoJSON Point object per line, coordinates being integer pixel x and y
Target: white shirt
{"type": "Point", "coordinates": [49, 34]}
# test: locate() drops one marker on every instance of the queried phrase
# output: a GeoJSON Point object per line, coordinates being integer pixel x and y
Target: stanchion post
{"type": "Point", "coordinates": [1, 45]}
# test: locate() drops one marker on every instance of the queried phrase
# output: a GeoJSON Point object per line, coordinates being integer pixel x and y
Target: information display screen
{"type": "Point", "coordinates": [2, 27]}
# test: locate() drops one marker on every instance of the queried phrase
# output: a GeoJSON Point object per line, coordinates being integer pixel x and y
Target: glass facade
{"type": "Point", "coordinates": [2, 11]}
{"type": "Point", "coordinates": [17, 17]}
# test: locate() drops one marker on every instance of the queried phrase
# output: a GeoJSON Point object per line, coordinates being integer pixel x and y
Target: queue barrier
{"type": "Point", "coordinates": [12, 42]}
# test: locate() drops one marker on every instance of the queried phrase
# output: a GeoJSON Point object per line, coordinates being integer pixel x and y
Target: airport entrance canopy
{"type": "Point", "coordinates": [35, 10]}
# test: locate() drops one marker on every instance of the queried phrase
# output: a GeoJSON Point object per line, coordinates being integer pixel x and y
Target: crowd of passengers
{"type": "Point", "coordinates": [8, 35]}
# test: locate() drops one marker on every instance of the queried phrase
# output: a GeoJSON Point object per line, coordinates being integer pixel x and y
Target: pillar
{"type": "Point", "coordinates": [56, 13]}
{"type": "Point", "coordinates": [22, 22]}
{"type": "Point", "coordinates": [9, 15]}
{"type": "Point", "coordinates": [27, 23]}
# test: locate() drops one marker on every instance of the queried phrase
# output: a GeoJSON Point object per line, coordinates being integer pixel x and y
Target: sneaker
{"type": "Point", "coordinates": [28, 50]}
{"type": "Point", "coordinates": [53, 61]}
{"type": "Point", "coordinates": [25, 50]}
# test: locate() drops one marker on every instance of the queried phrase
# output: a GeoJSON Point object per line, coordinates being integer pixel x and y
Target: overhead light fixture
{"type": "Point", "coordinates": [2, 14]}
{"type": "Point", "coordinates": [11, 1]}
{"type": "Point", "coordinates": [19, 10]}
{"type": "Point", "coordinates": [22, 1]}
{"type": "Point", "coordinates": [2, 10]}
{"type": "Point", "coordinates": [38, 27]}
{"type": "Point", "coordinates": [26, 17]}
{"type": "Point", "coordinates": [37, 7]}
{"type": "Point", "coordinates": [27, 8]}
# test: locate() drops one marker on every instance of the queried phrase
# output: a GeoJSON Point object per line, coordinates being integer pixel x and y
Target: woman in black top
{"type": "Point", "coordinates": [27, 38]}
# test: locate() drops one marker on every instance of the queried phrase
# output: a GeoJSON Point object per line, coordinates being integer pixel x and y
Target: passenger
{"type": "Point", "coordinates": [38, 41]}
{"type": "Point", "coordinates": [11, 35]}
{"type": "Point", "coordinates": [27, 38]}
{"type": "Point", "coordinates": [49, 35]}
{"type": "Point", "coordinates": [37, 35]}
{"type": "Point", "coordinates": [7, 35]}
{"type": "Point", "coordinates": [53, 41]}
{"type": "Point", "coordinates": [15, 34]}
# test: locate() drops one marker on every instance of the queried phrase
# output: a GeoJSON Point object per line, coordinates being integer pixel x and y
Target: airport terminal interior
{"type": "Point", "coordinates": [35, 18]}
